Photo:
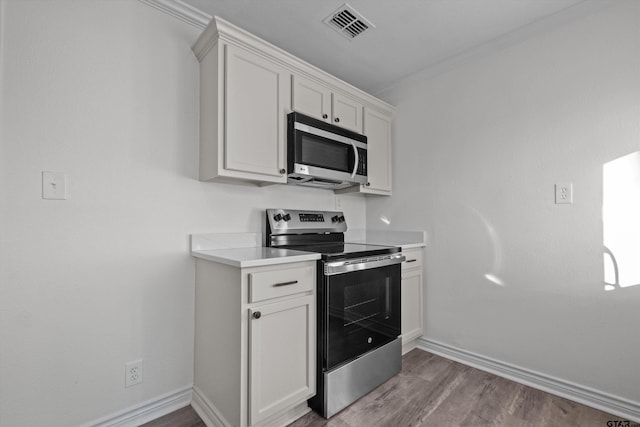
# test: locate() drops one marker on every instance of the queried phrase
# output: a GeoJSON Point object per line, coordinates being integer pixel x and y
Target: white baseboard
{"type": "Point", "coordinates": [207, 411]}
{"type": "Point", "coordinates": [147, 411]}
{"type": "Point", "coordinates": [212, 417]}
{"type": "Point", "coordinates": [596, 399]}
{"type": "Point", "coordinates": [288, 417]}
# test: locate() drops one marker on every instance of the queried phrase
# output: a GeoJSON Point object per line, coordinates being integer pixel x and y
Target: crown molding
{"type": "Point", "coordinates": [222, 30]}
{"type": "Point", "coordinates": [182, 11]}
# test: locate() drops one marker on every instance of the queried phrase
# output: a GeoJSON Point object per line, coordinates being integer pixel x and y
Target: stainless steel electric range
{"type": "Point", "coordinates": [358, 305]}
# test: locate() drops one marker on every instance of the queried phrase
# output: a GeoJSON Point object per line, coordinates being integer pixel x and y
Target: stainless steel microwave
{"type": "Point", "coordinates": [322, 155]}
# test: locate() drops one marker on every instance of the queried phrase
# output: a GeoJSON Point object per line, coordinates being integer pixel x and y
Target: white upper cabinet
{"type": "Point", "coordinates": [247, 88]}
{"type": "Point", "coordinates": [311, 98]}
{"type": "Point", "coordinates": [319, 101]}
{"type": "Point", "coordinates": [377, 128]}
{"type": "Point", "coordinates": [244, 99]}
{"type": "Point", "coordinates": [256, 98]}
{"type": "Point", "coordinates": [347, 112]}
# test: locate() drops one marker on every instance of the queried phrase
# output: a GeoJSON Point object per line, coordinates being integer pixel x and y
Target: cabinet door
{"type": "Point", "coordinates": [347, 112]}
{"type": "Point", "coordinates": [411, 312]}
{"type": "Point", "coordinates": [281, 356]}
{"type": "Point", "coordinates": [377, 127]}
{"type": "Point", "coordinates": [311, 98]}
{"type": "Point", "coordinates": [256, 94]}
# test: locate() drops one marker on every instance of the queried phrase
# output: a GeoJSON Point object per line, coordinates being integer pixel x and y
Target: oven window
{"type": "Point", "coordinates": [313, 150]}
{"type": "Point", "coordinates": [363, 309]}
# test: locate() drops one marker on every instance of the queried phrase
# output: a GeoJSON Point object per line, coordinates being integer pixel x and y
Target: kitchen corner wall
{"type": "Point", "coordinates": [477, 150]}
{"type": "Point", "coordinates": [106, 92]}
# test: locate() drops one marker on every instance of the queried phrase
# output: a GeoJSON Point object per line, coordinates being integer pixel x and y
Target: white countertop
{"type": "Point", "coordinates": [243, 250]}
{"type": "Point", "coordinates": [254, 257]}
{"type": "Point", "coordinates": [246, 250]}
{"type": "Point", "coordinates": [403, 239]}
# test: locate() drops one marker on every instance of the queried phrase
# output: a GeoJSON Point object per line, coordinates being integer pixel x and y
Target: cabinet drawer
{"type": "Point", "coordinates": [414, 258]}
{"type": "Point", "coordinates": [278, 283]}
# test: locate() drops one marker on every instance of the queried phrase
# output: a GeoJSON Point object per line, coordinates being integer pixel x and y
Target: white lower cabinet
{"type": "Point", "coordinates": [255, 345]}
{"type": "Point", "coordinates": [412, 313]}
{"type": "Point", "coordinates": [279, 349]}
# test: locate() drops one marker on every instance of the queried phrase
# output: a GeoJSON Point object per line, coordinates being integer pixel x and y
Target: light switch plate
{"type": "Point", "coordinates": [54, 185]}
{"type": "Point", "coordinates": [564, 193]}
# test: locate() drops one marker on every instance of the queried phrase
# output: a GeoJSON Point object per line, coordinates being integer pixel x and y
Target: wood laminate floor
{"type": "Point", "coordinates": [434, 391]}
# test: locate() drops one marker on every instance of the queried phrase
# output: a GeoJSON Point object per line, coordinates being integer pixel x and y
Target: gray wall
{"type": "Point", "coordinates": [477, 151]}
{"type": "Point", "coordinates": [107, 92]}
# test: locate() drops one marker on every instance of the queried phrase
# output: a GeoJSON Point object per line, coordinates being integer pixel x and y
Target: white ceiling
{"type": "Point", "coordinates": [411, 36]}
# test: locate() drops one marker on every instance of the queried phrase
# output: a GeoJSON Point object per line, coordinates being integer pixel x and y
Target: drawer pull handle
{"type": "Point", "coordinates": [293, 282]}
{"type": "Point", "coordinates": [257, 315]}
{"type": "Point", "coordinates": [411, 260]}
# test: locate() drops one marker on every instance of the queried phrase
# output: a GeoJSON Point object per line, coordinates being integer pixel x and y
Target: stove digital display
{"type": "Point", "coordinates": [311, 217]}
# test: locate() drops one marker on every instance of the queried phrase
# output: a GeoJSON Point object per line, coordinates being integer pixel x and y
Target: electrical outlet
{"type": "Point", "coordinates": [564, 193]}
{"type": "Point", "coordinates": [133, 373]}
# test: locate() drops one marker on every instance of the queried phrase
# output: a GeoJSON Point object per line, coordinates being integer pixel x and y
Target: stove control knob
{"type": "Point", "coordinates": [341, 219]}
{"type": "Point", "coordinates": [286, 217]}
{"type": "Point", "coordinates": [335, 218]}
{"type": "Point", "coordinates": [277, 217]}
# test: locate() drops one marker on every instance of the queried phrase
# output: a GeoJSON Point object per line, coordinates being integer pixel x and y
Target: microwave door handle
{"type": "Point", "coordinates": [355, 166]}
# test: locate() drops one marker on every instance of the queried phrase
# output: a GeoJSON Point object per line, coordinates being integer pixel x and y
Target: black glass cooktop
{"type": "Point", "coordinates": [344, 250]}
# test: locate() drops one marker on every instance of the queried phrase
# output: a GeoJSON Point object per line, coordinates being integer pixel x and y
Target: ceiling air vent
{"type": "Point", "coordinates": [348, 22]}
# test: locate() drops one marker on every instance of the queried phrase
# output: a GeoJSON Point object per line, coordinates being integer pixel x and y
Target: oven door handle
{"type": "Point", "coordinates": [348, 266]}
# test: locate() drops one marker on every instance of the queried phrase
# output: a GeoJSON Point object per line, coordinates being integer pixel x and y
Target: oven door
{"type": "Point", "coordinates": [361, 309]}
